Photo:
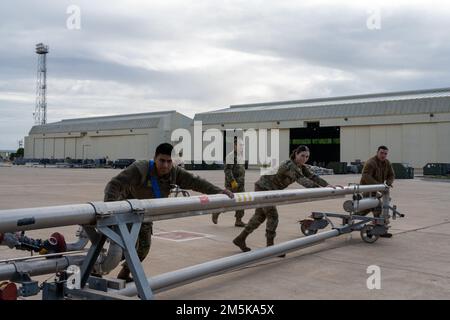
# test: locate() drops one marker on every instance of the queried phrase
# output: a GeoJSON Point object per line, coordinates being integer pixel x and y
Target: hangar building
{"type": "Point", "coordinates": [123, 136]}
{"type": "Point", "coordinates": [415, 125]}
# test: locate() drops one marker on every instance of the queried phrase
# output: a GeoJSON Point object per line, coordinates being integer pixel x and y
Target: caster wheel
{"type": "Point", "coordinates": [366, 234]}
{"type": "Point", "coordinates": [304, 225]}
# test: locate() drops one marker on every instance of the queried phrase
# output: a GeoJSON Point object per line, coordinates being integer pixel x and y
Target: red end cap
{"type": "Point", "coordinates": [8, 291]}
{"type": "Point", "coordinates": [61, 242]}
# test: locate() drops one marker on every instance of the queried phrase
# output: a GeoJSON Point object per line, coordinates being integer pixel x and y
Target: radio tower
{"type": "Point", "coordinates": [40, 111]}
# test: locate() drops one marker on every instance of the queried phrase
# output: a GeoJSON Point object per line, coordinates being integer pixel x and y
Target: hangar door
{"type": "Point", "coordinates": [323, 142]}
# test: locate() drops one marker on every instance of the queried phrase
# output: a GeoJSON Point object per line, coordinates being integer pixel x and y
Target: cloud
{"type": "Point", "coordinates": [195, 56]}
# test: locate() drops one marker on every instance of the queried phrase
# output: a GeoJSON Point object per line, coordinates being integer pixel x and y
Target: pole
{"type": "Point", "coordinates": [190, 274]}
{"type": "Point", "coordinates": [13, 220]}
{"type": "Point", "coordinates": [35, 268]}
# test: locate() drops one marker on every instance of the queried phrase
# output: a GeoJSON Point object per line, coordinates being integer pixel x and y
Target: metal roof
{"type": "Point", "coordinates": [394, 103]}
{"type": "Point", "coordinates": [118, 122]}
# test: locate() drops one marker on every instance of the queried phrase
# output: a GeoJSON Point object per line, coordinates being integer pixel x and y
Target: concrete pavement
{"type": "Point", "coordinates": [415, 263]}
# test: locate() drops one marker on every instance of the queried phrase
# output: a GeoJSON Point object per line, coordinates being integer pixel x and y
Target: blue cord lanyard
{"type": "Point", "coordinates": [153, 179]}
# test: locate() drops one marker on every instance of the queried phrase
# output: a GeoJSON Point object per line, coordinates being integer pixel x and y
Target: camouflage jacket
{"type": "Point", "coordinates": [288, 172]}
{"type": "Point", "coordinates": [376, 171]}
{"type": "Point", "coordinates": [134, 183]}
{"type": "Point", "coordinates": [234, 168]}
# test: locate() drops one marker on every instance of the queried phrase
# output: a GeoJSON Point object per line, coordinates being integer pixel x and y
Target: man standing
{"type": "Point", "coordinates": [234, 177]}
{"type": "Point", "coordinates": [152, 179]}
{"type": "Point", "coordinates": [378, 169]}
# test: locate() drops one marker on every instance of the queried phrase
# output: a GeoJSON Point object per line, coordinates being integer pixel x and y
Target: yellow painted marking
{"type": "Point", "coordinates": [244, 197]}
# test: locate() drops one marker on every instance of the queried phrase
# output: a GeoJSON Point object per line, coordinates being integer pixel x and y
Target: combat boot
{"type": "Point", "coordinates": [386, 235]}
{"type": "Point", "coordinates": [124, 274]}
{"type": "Point", "coordinates": [239, 223]}
{"type": "Point", "coordinates": [240, 241]}
{"type": "Point", "coordinates": [215, 218]}
{"type": "Point", "coordinates": [270, 242]}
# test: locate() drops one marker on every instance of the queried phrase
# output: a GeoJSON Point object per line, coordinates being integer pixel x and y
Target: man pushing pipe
{"type": "Point", "coordinates": [148, 179]}
{"type": "Point", "coordinates": [376, 170]}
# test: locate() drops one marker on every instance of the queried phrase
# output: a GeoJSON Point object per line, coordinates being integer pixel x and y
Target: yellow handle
{"type": "Point", "coordinates": [234, 185]}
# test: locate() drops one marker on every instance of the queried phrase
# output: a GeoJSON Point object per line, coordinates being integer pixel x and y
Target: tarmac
{"type": "Point", "coordinates": [414, 264]}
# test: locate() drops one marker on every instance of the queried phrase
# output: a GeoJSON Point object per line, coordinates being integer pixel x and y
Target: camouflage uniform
{"type": "Point", "coordinates": [235, 170]}
{"type": "Point", "coordinates": [134, 183]}
{"type": "Point", "coordinates": [287, 173]}
{"type": "Point", "coordinates": [376, 171]}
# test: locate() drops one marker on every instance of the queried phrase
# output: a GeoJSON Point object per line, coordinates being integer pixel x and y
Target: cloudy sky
{"type": "Point", "coordinates": [193, 56]}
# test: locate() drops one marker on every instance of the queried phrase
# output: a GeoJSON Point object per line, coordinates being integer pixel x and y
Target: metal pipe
{"type": "Point", "coordinates": [107, 262]}
{"type": "Point", "coordinates": [81, 243]}
{"type": "Point", "coordinates": [361, 205]}
{"type": "Point", "coordinates": [248, 200]}
{"type": "Point", "coordinates": [156, 209]}
{"type": "Point", "coordinates": [190, 274]}
{"type": "Point", "coordinates": [35, 268]}
{"type": "Point", "coordinates": [41, 256]}
{"type": "Point", "coordinates": [45, 217]}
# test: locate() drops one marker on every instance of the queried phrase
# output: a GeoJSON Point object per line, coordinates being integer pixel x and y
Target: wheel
{"type": "Point", "coordinates": [366, 234]}
{"type": "Point", "coordinates": [304, 227]}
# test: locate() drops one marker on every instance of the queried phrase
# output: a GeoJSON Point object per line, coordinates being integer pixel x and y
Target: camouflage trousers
{"type": "Point", "coordinates": [261, 214]}
{"type": "Point", "coordinates": [143, 242]}
{"type": "Point", "coordinates": [239, 213]}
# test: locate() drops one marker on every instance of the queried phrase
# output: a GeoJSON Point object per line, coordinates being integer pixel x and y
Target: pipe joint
{"type": "Point", "coordinates": [136, 206]}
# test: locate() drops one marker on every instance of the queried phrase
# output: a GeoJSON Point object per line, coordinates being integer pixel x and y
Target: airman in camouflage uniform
{"type": "Point", "coordinates": [234, 179]}
{"type": "Point", "coordinates": [377, 170]}
{"type": "Point", "coordinates": [288, 172]}
{"type": "Point", "coordinates": [135, 183]}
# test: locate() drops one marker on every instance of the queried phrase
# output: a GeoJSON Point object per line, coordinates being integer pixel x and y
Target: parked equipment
{"type": "Point", "coordinates": [436, 169]}
{"type": "Point", "coordinates": [403, 171]}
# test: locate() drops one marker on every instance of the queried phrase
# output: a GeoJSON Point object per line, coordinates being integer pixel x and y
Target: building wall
{"type": "Point", "coordinates": [139, 144]}
{"type": "Point", "coordinates": [69, 148]}
{"type": "Point", "coordinates": [416, 144]}
{"type": "Point", "coordinates": [419, 140]}
{"type": "Point", "coordinates": [443, 143]}
{"type": "Point", "coordinates": [38, 146]}
{"type": "Point", "coordinates": [114, 144]}
{"type": "Point", "coordinates": [284, 144]}
{"type": "Point", "coordinates": [59, 148]}
{"type": "Point", "coordinates": [414, 139]}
